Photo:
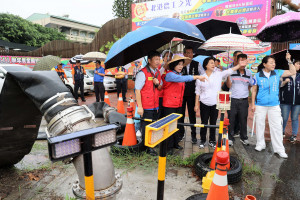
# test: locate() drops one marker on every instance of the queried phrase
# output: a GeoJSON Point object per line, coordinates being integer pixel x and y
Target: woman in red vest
{"type": "Point", "coordinates": [173, 86]}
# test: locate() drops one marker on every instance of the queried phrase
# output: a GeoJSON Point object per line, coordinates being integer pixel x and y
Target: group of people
{"type": "Point", "coordinates": [180, 82]}
{"type": "Point", "coordinates": [78, 73]}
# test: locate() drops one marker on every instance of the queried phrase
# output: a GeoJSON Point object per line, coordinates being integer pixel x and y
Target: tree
{"type": "Point", "coordinates": [106, 47]}
{"type": "Point", "coordinates": [16, 29]}
{"type": "Point", "coordinates": [122, 8]}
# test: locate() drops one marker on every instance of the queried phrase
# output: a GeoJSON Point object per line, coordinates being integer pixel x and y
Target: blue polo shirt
{"type": "Point", "coordinates": [97, 77]}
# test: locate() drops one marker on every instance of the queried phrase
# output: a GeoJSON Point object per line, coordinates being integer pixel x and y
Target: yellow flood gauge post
{"type": "Point", "coordinates": [157, 133]}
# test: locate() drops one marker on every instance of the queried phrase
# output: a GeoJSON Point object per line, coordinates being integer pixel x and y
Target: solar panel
{"type": "Point", "coordinates": [164, 121]}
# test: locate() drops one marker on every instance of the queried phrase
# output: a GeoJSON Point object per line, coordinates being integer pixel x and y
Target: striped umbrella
{"type": "Point", "coordinates": [46, 63]}
{"type": "Point", "coordinates": [230, 42]}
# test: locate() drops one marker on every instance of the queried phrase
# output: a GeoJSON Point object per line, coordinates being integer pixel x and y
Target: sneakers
{"type": "Point", "coordinates": [282, 155]}
{"type": "Point", "coordinates": [245, 142]}
{"type": "Point", "coordinates": [194, 140]}
{"type": "Point", "coordinates": [283, 134]}
{"type": "Point", "coordinates": [202, 144]}
{"type": "Point", "coordinates": [293, 138]}
{"type": "Point", "coordinates": [259, 148]}
{"type": "Point", "coordinates": [236, 135]}
{"type": "Point", "coordinates": [230, 142]}
{"type": "Point", "coordinates": [212, 144]}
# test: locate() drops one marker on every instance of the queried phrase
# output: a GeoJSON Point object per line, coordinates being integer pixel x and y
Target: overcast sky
{"type": "Point", "coordinates": [96, 12]}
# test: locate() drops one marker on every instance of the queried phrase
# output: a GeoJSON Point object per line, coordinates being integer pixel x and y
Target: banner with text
{"type": "Point", "coordinates": [250, 15]}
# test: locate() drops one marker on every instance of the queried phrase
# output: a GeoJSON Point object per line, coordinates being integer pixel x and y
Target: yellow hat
{"type": "Point", "coordinates": [178, 57]}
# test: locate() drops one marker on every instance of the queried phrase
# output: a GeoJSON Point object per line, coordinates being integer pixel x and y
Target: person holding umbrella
{"type": "Point", "coordinates": [99, 74]}
{"type": "Point", "coordinates": [265, 101]}
{"type": "Point", "coordinates": [173, 87]}
{"type": "Point", "coordinates": [206, 97]}
{"type": "Point", "coordinates": [290, 100]}
{"type": "Point", "coordinates": [147, 85]}
{"type": "Point", "coordinates": [78, 73]}
{"type": "Point", "coordinates": [61, 73]}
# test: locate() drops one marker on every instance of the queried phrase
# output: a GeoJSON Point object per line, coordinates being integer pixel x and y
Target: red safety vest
{"type": "Point", "coordinates": [161, 92]}
{"type": "Point", "coordinates": [173, 93]}
{"type": "Point", "coordinates": [149, 93]}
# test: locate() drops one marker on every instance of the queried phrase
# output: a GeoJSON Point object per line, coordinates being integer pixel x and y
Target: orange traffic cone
{"type": "Point", "coordinates": [226, 124]}
{"type": "Point", "coordinates": [219, 187]}
{"type": "Point", "coordinates": [217, 149]}
{"type": "Point", "coordinates": [106, 98]}
{"type": "Point", "coordinates": [129, 138]}
{"type": "Point", "coordinates": [132, 102]}
{"type": "Point", "coordinates": [250, 197]}
{"type": "Point", "coordinates": [120, 106]}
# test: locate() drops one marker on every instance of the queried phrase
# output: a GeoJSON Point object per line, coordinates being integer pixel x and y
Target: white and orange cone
{"type": "Point", "coordinates": [219, 187]}
{"type": "Point", "coordinates": [106, 98]}
{"type": "Point", "coordinates": [129, 138]}
{"type": "Point", "coordinates": [132, 102]}
{"type": "Point", "coordinates": [120, 106]}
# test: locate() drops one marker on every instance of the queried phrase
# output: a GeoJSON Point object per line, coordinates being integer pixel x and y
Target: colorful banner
{"type": "Point", "coordinates": [250, 15]}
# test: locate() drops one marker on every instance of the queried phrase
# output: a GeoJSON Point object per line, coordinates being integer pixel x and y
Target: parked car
{"type": "Point", "coordinates": [108, 82]}
{"type": "Point", "coordinates": [88, 82]}
{"type": "Point", "coordinates": [4, 68]}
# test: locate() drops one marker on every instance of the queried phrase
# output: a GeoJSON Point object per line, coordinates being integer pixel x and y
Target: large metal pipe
{"type": "Point", "coordinates": [64, 115]}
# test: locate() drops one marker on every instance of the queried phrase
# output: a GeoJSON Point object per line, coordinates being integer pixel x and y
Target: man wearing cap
{"type": "Point", "coordinates": [78, 73]}
{"type": "Point", "coordinates": [120, 75]}
{"type": "Point", "coordinates": [61, 73]}
{"type": "Point", "coordinates": [99, 74]}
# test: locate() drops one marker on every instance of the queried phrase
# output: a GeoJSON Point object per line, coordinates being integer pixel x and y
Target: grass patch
{"type": "Point", "coordinates": [39, 146]}
{"type": "Point", "coordinates": [276, 178]}
{"type": "Point", "coordinates": [128, 161]}
{"type": "Point", "coordinates": [252, 170]}
{"type": "Point", "coordinates": [69, 198]}
{"type": "Point", "coordinates": [249, 173]}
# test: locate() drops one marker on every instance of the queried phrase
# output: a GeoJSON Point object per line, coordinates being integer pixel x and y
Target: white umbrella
{"type": "Point", "coordinates": [230, 42]}
{"type": "Point", "coordinates": [79, 57]}
{"type": "Point", "coordinates": [94, 55]}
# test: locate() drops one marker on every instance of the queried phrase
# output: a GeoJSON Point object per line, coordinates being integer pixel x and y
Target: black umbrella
{"type": "Point", "coordinates": [281, 62]}
{"type": "Point", "coordinates": [209, 29]}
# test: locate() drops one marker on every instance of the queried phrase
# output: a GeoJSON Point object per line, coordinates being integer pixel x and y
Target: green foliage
{"type": "Point", "coordinates": [16, 29]}
{"type": "Point", "coordinates": [126, 160]}
{"type": "Point", "coordinates": [106, 47]}
{"type": "Point", "coordinates": [122, 8]}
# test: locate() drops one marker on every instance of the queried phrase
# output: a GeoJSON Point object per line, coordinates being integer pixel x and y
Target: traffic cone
{"type": "Point", "coordinates": [106, 98]}
{"type": "Point", "coordinates": [129, 138]}
{"type": "Point", "coordinates": [226, 124]}
{"type": "Point", "coordinates": [132, 102]}
{"type": "Point", "coordinates": [250, 197]}
{"type": "Point", "coordinates": [120, 106]}
{"type": "Point", "coordinates": [219, 187]}
{"type": "Point", "coordinates": [217, 149]}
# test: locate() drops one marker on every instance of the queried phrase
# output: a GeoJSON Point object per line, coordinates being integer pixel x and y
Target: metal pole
{"type": "Point", "coordinates": [88, 170]}
{"type": "Point", "coordinates": [220, 131]}
{"type": "Point", "coordinates": [161, 169]}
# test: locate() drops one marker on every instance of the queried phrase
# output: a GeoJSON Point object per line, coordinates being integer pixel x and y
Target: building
{"type": "Point", "coordinates": [75, 31]}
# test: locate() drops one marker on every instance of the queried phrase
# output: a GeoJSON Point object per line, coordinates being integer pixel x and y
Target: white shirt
{"type": "Point", "coordinates": [208, 90]}
{"type": "Point", "coordinates": [267, 74]}
{"type": "Point", "coordinates": [200, 69]}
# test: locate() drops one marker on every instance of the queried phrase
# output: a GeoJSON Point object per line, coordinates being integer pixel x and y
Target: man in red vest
{"type": "Point", "coordinates": [147, 85]}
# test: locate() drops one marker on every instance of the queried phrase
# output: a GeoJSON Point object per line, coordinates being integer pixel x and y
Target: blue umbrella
{"type": "Point", "coordinates": [178, 25]}
{"type": "Point", "coordinates": [139, 43]}
{"type": "Point", "coordinates": [296, 47]}
{"type": "Point", "coordinates": [200, 59]}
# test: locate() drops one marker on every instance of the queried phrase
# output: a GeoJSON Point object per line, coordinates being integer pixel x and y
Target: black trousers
{"type": "Point", "coordinates": [148, 114]}
{"type": "Point", "coordinates": [174, 139]}
{"type": "Point", "coordinates": [190, 102]}
{"type": "Point", "coordinates": [161, 108]}
{"type": "Point", "coordinates": [239, 110]}
{"type": "Point", "coordinates": [208, 113]}
{"type": "Point", "coordinates": [79, 84]}
{"type": "Point", "coordinates": [99, 91]}
{"type": "Point", "coordinates": [122, 87]}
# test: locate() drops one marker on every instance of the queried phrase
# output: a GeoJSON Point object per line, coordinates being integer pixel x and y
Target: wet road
{"type": "Point", "coordinates": [281, 177]}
